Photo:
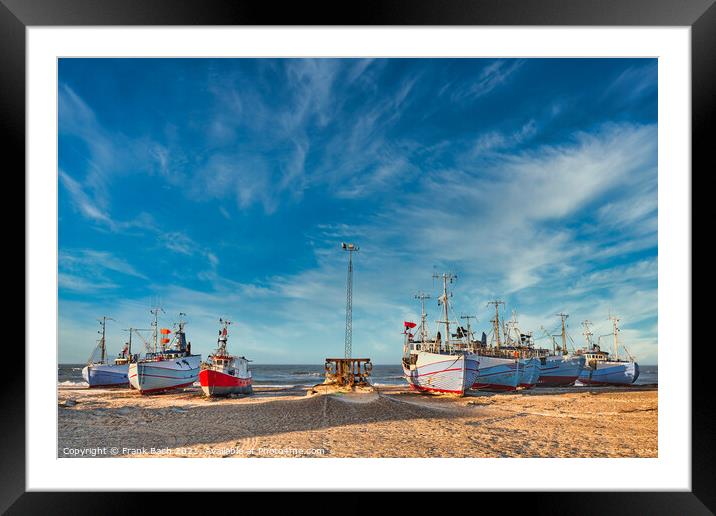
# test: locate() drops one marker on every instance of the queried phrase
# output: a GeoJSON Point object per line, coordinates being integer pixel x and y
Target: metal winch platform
{"type": "Point", "coordinates": [348, 372]}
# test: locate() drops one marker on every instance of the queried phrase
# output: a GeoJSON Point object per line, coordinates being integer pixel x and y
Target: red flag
{"type": "Point", "coordinates": [408, 324]}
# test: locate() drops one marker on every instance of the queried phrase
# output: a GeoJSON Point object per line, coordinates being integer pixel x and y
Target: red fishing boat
{"type": "Point", "coordinates": [225, 374]}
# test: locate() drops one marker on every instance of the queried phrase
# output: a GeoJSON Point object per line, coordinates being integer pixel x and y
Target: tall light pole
{"type": "Point", "coordinates": [351, 248]}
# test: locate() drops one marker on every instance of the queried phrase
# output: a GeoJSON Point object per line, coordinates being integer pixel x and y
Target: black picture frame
{"type": "Point", "coordinates": [700, 15]}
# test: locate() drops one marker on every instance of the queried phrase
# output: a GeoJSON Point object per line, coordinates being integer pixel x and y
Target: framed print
{"type": "Point", "coordinates": [432, 248]}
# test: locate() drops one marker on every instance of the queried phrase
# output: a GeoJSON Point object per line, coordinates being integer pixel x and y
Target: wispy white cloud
{"type": "Point", "coordinates": [491, 76]}
{"type": "Point", "coordinates": [633, 82]}
{"type": "Point", "coordinates": [75, 283]}
{"type": "Point", "coordinates": [86, 206]}
{"type": "Point", "coordinates": [497, 141]}
{"type": "Point", "coordinates": [91, 259]}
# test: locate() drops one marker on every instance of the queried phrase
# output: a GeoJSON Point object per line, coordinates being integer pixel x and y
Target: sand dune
{"type": "Point", "coordinates": [393, 422]}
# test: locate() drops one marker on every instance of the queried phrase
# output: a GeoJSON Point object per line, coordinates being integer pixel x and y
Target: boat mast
{"type": "Point", "coordinates": [423, 316]}
{"type": "Point", "coordinates": [446, 276]}
{"type": "Point", "coordinates": [587, 334]}
{"type": "Point", "coordinates": [496, 320]}
{"type": "Point", "coordinates": [554, 343]}
{"type": "Point", "coordinates": [563, 316]}
{"type": "Point", "coordinates": [615, 322]}
{"type": "Point", "coordinates": [155, 325]}
{"type": "Point", "coordinates": [130, 330]}
{"type": "Point", "coordinates": [181, 342]}
{"type": "Point", "coordinates": [102, 342]}
{"type": "Point", "coordinates": [469, 332]}
{"type": "Point", "coordinates": [223, 336]}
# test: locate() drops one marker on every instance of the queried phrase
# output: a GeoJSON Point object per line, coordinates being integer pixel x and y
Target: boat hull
{"type": "Point", "coordinates": [160, 376]}
{"type": "Point", "coordinates": [216, 383]}
{"type": "Point", "coordinates": [497, 374]}
{"type": "Point", "coordinates": [442, 373]}
{"type": "Point", "coordinates": [528, 372]}
{"type": "Point", "coordinates": [106, 375]}
{"type": "Point", "coordinates": [560, 371]}
{"type": "Point", "coordinates": [610, 373]}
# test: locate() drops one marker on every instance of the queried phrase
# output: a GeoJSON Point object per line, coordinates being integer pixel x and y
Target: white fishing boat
{"type": "Point", "coordinates": [99, 371]}
{"type": "Point", "coordinates": [171, 365]}
{"type": "Point", "coordinates": [433, 364]}
{"type": "Point", "coordinates": [603, 369]}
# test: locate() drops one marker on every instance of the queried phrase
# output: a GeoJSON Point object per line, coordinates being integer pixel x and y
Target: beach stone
{"type": "Point", "coordinates": [178, 410]}
{"type": "Point", "coordinates": [70, 403]}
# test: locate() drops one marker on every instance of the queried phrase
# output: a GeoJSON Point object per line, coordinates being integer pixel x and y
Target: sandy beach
{"type": "Point", "coordinates": [392, 422]}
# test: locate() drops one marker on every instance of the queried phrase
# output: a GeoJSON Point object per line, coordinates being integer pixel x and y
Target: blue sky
{"type": "Point", "coordinates": [223, 188]}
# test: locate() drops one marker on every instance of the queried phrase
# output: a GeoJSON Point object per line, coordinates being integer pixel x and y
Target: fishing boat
{"type": "Point", "coordinates": [603, 369]}
{"type": "Point", "coordinates": [102, 372]}
{"type": "Point", "coordinates": [170, 365]}
{"type": "Point", "coordinates": [529, 372]}
{"type": "Point", "coordinates": [559, 368]}
{"type": "Point", "coordinates": [497, 373]}
{"type": "Point", "coordinates": [225, 374]}
{"type": "Point", "coordinates": [503, 365]}
{"type": "Point", "coordinates": [433, 364]}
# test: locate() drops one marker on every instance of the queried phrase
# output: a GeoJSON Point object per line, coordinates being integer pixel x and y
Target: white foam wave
{"type": "Point", "coordinates": [71, 383]}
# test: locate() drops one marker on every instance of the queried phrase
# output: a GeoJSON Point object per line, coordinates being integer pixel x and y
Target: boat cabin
{"type": "Point", "coordinates": [227, 364]}
{"type": "Point", "coordinates": [595, 353]}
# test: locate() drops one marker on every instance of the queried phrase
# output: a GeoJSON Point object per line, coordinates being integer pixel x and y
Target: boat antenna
{"type": "Point", "coordinates": [223, 333]}
{"type": "Point", "coordinates": [563, 317]}
{"type": "Point", "coordinates": [351, 248]}
{"type": "Point", "coordinates": [446, 276]}
{"type": "Point", "coordinates": [155, 324]}
{"type": "Point", "coordinates": [496, 320]}
{"type": "Point", "coordinates": [615, 322]}
{"type": "Point", "coordinates": [551, 337]}
{"type": "Point", "coordinates": [587, 334]}
{"type": "Point", "coordinates": [132, 330]}
{"type": "Point", "coordinates": [182, 321]}
{"type": "Point", "coordinates": [423, 315]}
{"type": "Point", "coordinates": [469, 332]}
{"type": "Point", "coordinates": [103, 342]}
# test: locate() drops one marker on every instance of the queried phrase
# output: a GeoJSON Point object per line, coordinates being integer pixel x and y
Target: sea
{"type": "Point", "coordinates": [307, 375]}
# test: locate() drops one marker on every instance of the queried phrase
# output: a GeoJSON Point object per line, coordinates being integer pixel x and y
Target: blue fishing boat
{"type": "Point", "coordinates": [529, 372]}
{"type": "Point", "coordinates": [99, 372]}
{"type": "Point", "coordinates": [504, 364]}
{"type": "Point", "coordinates": [559, 368]}
{"type": "Point", "coordinates": [601, 368]}
{"type": "Point", "coordinates": [497, 373]}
